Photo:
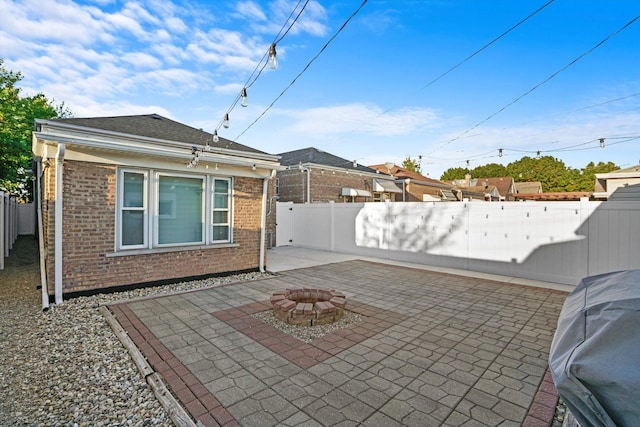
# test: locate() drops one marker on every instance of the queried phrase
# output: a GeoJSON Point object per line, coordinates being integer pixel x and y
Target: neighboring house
{"type": "Point", "coordinates": [563, 196]}
{"type": "Point", "coordinates": [623, 184]}
{"type": "Point", "coordinates": [416, 187]}
{"type": "Point", "coordinates": [489, 189]}
{"type": "Point", "coordinates": [120, 206]}
{"type": "Point", "coordinates": [311, 175]}
{"type": "Point", "coordinates": [533, 187]}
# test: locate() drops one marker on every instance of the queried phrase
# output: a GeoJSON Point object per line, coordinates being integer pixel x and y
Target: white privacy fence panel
{"type": "Point", "coordinates": [553, 241]}
{"type": "Point", "coordinates": [8, 225]}
{"type": "Point", "coordinates": [26, 219]}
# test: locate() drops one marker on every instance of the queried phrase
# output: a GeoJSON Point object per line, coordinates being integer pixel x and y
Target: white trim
{"type": "Point", "coordinates": [120, 206]}
{"type": "Point", "coordinates": [58, 223]}
{"type": "Point", "coordinates": [85, 133]}
{"type": "Point", "coordinates": [43, 265]}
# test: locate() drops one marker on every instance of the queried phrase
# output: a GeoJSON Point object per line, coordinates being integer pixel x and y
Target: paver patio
{"type": "Point", "coordinates": [434, 349]}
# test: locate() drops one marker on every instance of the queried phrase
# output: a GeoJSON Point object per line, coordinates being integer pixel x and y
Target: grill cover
{"type": "Point", "coordinates": [595, 353]}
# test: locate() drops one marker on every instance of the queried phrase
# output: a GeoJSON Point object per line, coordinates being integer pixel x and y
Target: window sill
{"type": "Point", "coordinates": [133, 252]}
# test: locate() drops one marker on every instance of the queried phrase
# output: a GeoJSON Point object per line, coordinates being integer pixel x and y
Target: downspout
{"type": "Point", "coordinates": [263, 220]}
{"type": "Point", "coordinates": [58, 224]}
{"type": "Point", "coordinates": [308, 185]}
{"type": "Point", "coordinates": [43, 273]}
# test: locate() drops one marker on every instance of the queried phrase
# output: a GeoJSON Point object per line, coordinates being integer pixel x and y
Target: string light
{"type": "Point", "coordinates": [499, 152]}
{"type": "Point", "coordinates": [273, 59]}
{"type": "Point", "coordinates": [225, 121]}
{"type": "Point", "coordinates": [216, 138]}
{"type": "Point", "coordinates": [601, 142]}
{"type": "Point", "coordinates": [243, 95]}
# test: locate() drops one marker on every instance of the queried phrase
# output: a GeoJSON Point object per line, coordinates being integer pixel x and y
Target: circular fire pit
{"type": "Point", "coordinates": [308, 306]}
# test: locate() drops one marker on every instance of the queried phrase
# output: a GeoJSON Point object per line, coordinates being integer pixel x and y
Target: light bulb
{"type": "Point", "coordinates": [225, 122]}
{"type": "Point", "coordinates": [601, 142]}
{"type": "Point", "coordinates": [243, 95]}
{"type": "Point", "coordinates": [216, 138]}
{"type": "Point", "coordinates": [499, 152]}
{"type": "Point", "coordinates": [273, 61]}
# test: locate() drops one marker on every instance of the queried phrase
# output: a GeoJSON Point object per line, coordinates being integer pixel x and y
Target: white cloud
{"type": "Point", "coordinates": [142, 60]}
{"type": "Point", "coordinates": [250, 10]}
{"type": "Point", "coordinates": [361, 119]}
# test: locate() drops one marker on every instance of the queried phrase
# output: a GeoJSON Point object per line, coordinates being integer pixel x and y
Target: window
{"type": "Point", "coordinates": [220, 226]}
{"type": "Point", "coordinates": [181, 206]}
{"type": "Point", "coordinates": [133, 212]}
{"type": "Point", "coordinates": [180, 210]}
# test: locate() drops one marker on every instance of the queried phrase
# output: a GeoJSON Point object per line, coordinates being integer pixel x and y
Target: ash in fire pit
{"type": "Point", "coordinates": [308, 306]}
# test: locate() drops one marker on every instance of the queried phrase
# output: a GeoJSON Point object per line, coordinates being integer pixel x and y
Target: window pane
{"type": "Point", "coordinates": [180, 210]}
{"type": "Point", "coordinates": [133, 190]}
{"type": "Point", "coordinates": [220, 232]}
{"type": "Point", "coordinates": [220, 217]}
{"type": "Point", "coordinates": [220, 201]}
{"type": "Point", "coordinates": [132, 228]}
{"type": "Point", "coordinates": [221, 186]}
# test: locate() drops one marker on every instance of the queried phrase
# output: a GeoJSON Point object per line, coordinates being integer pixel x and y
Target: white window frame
{"type": "Point", "coordinates": [151, 209]}
{"type": "Point", "coordinates": [228, 209]}
{"type": "Point", "coordinates": [156, 209]}
{"type": "Point", "coordinates": [121, 208]}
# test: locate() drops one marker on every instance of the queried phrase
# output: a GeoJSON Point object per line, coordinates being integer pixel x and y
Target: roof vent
{"type": "Point", "coordinates": [156, 117]}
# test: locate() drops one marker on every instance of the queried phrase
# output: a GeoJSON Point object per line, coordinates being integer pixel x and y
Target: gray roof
{"type": "Point", "coordinates": [158, 127]}
{"type": "Point", "coordinates": [319, 157]}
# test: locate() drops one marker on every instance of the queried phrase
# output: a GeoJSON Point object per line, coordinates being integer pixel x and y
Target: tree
{"type": "Point", "coordinates": [454, 173]}
{"type": "Point", "coordinates": [491, 170]}
{"type": "Point", "coordinates": [412, 165]}
{"type": "Point", "coordinates": [17, 114]}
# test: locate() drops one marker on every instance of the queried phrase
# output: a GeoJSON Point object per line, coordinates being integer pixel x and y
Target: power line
{"type": "Point", "coordinates": [610, 36]}
{"type": "Point", "coordinates": [303, 70]}
{"type": "Point", "coordinates": [261, 65]}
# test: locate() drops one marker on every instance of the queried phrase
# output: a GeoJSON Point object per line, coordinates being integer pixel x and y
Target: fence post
{"type": "Point", "coordinates": [2, 230]}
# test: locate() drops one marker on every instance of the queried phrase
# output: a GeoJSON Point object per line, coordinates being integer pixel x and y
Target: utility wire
{"type": "Point", "coordinates": [304, 69]}
{"type": "Point", "coordinates": [610, 36]}
{"type": "Point", "coordinates": [261, 65]}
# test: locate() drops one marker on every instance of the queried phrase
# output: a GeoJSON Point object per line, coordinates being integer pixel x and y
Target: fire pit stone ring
{"type": "Point", "coordinates": [309, 307]}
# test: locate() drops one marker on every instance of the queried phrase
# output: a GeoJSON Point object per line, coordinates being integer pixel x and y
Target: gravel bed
{"type": "Point", "coordinates": [308, 333]}
{"type": "Point", "coordinates": [65, 366]}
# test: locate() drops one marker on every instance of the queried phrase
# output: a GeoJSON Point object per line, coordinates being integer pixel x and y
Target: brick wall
{"type": "Point", "coordinates": [326, 185]}
{"type": "Point", "coordinates": [89, 232]}
{"type": "Point", "coordinates": [414, 192]}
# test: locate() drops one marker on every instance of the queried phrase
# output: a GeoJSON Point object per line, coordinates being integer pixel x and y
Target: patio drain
{"type": "Point", "coordinates": [308, 307]}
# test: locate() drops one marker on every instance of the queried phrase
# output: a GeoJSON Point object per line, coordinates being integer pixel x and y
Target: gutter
{"type": "Point", "coordinates": [43, 272]}
{"type": "Point", "coordinates": [263, 219]}
{"type": "Point", "coordinates": [58, 224]}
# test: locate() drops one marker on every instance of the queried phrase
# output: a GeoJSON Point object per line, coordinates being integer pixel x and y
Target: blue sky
{"type": "Point", "coordinates": [370, 96]}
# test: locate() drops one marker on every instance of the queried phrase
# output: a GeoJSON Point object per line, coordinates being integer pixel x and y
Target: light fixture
{"type": "Point", "coordinates": [216, 138]}
{"type": "Point", "coordinates": [225, 121]}
{"type": "Point", "coordinates": [243, 95]}
{"type": "Point", "coordinates": [355, 163]}
{"type": "Point", "coordinates": [601, 142]}
{"type": "Point", "coordinates": [499, 152]}
{"type": "Point", "coordinates": [253, 167]}
{"type": "Point", "coordinates": [273, 61]}
{"type": "Point", "coordinates": [537, 154]}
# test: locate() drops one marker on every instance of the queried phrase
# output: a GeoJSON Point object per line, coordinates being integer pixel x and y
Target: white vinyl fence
{"type": "Point", "coordinates": [15, 219]}
{"type": "Point", "coordinates": [8, 225]}
{"type": "Point", "coordinates": [558, 242]}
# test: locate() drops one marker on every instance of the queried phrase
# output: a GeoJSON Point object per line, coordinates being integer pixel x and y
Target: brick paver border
{"type": "Point", "coordinates": [544, 404]}
{"type": "Point", "coordinates": [194, 396]}
{"type": "Point", "coordinates": [306, 355]}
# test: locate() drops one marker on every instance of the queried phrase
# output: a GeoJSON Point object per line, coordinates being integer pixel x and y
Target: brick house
{"type": "Point", "coordinates": [143, 199]}
{"type": "Point", "coordinates": [417, 187]}
{"type": "Point", "coordinates": [489, 189]}
{"type": "Point", "coordinates": [311, 175]}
